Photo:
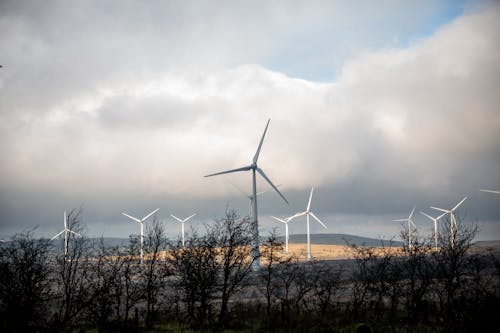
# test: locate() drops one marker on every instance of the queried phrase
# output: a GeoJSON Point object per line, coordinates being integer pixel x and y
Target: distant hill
{"type": "Point", "coordinates": [340, 239]}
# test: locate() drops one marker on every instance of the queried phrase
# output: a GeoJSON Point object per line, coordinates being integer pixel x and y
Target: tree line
{"type": "Point", "coordinates": [208, 284]}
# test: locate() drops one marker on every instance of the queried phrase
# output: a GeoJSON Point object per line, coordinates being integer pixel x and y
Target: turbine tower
{"type": "Point", "coordinates": [66, 232]}
{"type": "Point", "coordinates": [255, 226]}
{"type": "Point", "coordinates": [182, 223]}
{"type": "Point", "coordinates": [308, 213]}
{"type": "Point", "coordinates": [285, 221]}
{"type": "Point", "coordinates": [453, 220]}
{"type": "Point", "coordinates": [434, 219]}
{"type": "Point", "coordinates": [490, 191]}
{"type": "Point", "coordinates": [141, 222]}
{"type": "Point", "coordinates": [410, 222]}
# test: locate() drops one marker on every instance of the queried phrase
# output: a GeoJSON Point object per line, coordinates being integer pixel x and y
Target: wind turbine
{"type": "Point", "coordinates": [182, 223]}
{"type": "Point", "coordinates": [254, 168]}
{"type": "Point", "coordinates": [453, 220]}
{"type": "Point", "coordinates": [66, 231]}
{"type": "Point", "coordinates": [434, 219]}
{"type": "Point", "coordinates": [249, 196]}
{"type": "Point", "coordinates": [285, 221]}
{"type": "Point", "coordinates": [490, 191]}
{"type": "Point", "coordinates": [308, 213]}
{"type": "Point", "coordinates": [141, 222]}
{"type": "Point", "coordinates": [410, 222]}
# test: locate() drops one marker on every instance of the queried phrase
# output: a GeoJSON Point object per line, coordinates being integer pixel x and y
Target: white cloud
{"type": "Point", "coordinates": [119, 122]}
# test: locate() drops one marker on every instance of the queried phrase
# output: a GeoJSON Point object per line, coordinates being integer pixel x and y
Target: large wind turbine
{"type": "Point", "coordinates": [182, 223]}
{"type": "Point", "coordinates": [308, 212]}
{"type": "Point", "coordinates": [66, 231]}
{"type": "Point", "coordinates": [410, 222]}
{"type": "Point", "coordinates": [285, 221]}
{"type": "Point", "coordinates": [255, 168]}
{"type": "Point", "coordinates": [434, 219]}
{"type": "Point", "coordinates": [141, 222]}
{"type": "Point", "coordinates": [490, 191]}
{"type": "Point", "coordinates": [453, 220]}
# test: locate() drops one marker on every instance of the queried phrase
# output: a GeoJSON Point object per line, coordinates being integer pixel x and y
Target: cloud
{"type": "Point", "coordinates": [145, 106]}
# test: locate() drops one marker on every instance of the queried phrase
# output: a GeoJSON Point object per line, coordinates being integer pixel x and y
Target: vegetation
{"type": "Point", "coordinates": [208, 285]}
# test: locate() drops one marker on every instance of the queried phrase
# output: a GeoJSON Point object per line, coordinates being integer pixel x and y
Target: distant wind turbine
{"type": "Point", "coordinates": [255, 227]}
{"type": "Point", "coordinates": [453, 220]}
{"type": "Point", "coordinates": [141, 222]}
{"type": "Point", "coordinates": [410, 222]}
{"type": "Point", "coordinates": [182, 224]}
{"type": "Point", "coordinates": [249, 196]}
{"type": "Point", "coordinates": [308, 213]}
{"type": "Point", "coordinates": [434, 219]}
{"type": "Point", "coordinates": [490, 191]}
{"type": "Point", "coordinates": [285, 221]}
{"type": "Point", "coordinates": [66, 232]}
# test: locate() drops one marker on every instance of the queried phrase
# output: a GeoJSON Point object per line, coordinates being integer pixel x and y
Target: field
{"type": "Point", "coordinates": [340, 252]}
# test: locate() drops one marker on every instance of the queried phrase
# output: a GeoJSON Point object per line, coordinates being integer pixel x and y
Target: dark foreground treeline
{"type": "Point", "coordinates": [209, 285]}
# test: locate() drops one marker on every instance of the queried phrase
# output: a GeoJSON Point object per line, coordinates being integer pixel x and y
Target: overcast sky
{"type": "Point", "coordinates": [125, 105]}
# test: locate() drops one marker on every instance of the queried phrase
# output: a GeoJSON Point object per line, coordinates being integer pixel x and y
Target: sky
{"type": "Point", "coordinates": [124, 106]}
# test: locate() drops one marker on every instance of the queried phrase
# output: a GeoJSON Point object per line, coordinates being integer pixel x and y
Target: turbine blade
{"type": "Point", "coordinates": [187, 219]}
{"type": "Point", "coordinates": [131, 217]}
{"type": "Point", "coordinates": [411, 221]}
{"type": "Point", "coordinates": [440, 216]}
{"type": "Point", "coordinates": [441, 209]}
{"type": "Point", "coordinates": [262, 192]}
{"type": "Point", "coordinates": [230, 171]}
{"type": "Point", "coordinates": [428, 215]}
{"type": "Point", "coordinates": [458, 204]}
{"type": "Point", "coordinates": [146, 217]}
{"type": "Point", "coordinates": [256, 156]}
{"type": "Point", "coordinates": [400, 220]}
{"type": "Point", "coordinates": [259, 170]}
{"type": "Point", "coordinates": [239, 189]}
{"type": "Point", "coordinates": [288, 219]}
{"type": "Point", "coordinates": [175, 217]}
{"type": "Point", "coordinates": [490, 191]}
{"type": "Point", "coordinates": [317, 219]}
{"type": "Point", "coordinates": [412, 211]}
{"type": "Point", "coordinates": [75, 233]}
{"type": "Point", "coordinates": [278, 219]}
{"type": "Point", "coordinates": [310, 198]}
{"type": "Point", "coordinates": [58, 234]}
{"type": "Point", "coordinates": [300, 214]}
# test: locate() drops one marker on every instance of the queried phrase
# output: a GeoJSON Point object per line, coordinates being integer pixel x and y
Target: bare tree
{"type": "Point", "coordinates": [133, 291]}
{"type": "Point", "coordinates": [153, 271]}
{"type": "Point", "coordinates": [287, 286]}
{"type": "Point", "coordinates": [71, 276]}
{"type": "Point", "coordinates": [232, 236]}
{"type": "Point", "coordinates": [24, 283]}
{"type": "Point", "coordinates": [195, 270]}
{"type": "Point", "coordinates": [417, 274]}
{"type": "Point", "coordinates": [452, 270]}
{"type": "Point", "coordinates": [326, 280]}
{"type": "Point", "coordinates": [271, 258]}
{"type": "Point", "coordinates": [105, 274]}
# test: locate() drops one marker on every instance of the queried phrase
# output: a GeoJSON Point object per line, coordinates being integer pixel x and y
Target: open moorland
{"type": "Point", "coordinates": [209, 285]}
